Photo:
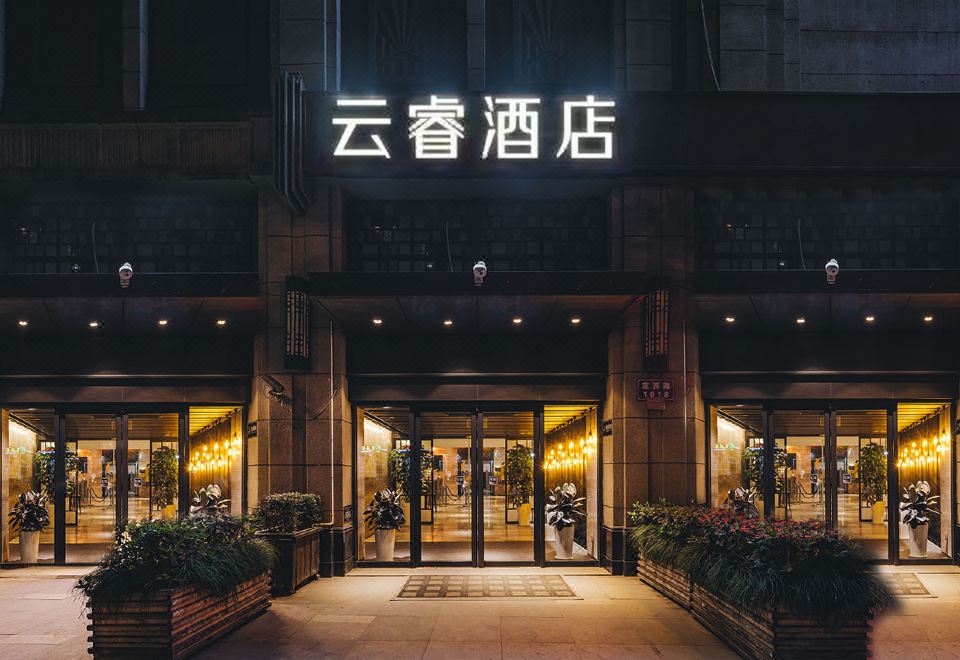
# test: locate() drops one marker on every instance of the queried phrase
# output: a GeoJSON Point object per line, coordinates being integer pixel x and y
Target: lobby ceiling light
{"type": "Point", "coordinates": [928, 318]}
{"type": "Point", "coordinates": [448, 322]}
{"type": "Point", "coordinates": [517, 320]}
{"type": "Point", "coordinates": [730, 319]}
{"type": "Point", "coordinates": [162, 322]}
{"type": "Point", "coordinates": [376, 320]}
{"type": "Point", "coordinates": [94, 324]}
{"type": "Point", "coordinates": [221, 322]}
{"type": "Point", "coordinates": [23, 323]}
{"type": "Point", "coordinates": [575, 320]}
{"type": "Point", "coordinates": [870, 318]}
{"type": "Point", "coordinates": [801, 320]}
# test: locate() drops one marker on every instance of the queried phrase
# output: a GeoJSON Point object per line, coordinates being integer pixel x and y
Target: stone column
{"type": "Point", "coordinates": [293, 450]}
{"type": "Point", "coordinates": [654, 452]}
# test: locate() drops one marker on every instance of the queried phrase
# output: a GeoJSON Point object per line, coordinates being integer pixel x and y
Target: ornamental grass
{"type": "Point", "coordinates": [214, 553]}
{"type": "Point", "coordinates": [799, 567]}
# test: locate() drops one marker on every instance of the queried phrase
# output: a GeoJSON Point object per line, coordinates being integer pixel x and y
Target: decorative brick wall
{"type": "Point", "coordinates": [411, 235]}
{"type": "Point", "coordinates": [155, 235]}
{"type": "Point", "coordinates": [789, 228]}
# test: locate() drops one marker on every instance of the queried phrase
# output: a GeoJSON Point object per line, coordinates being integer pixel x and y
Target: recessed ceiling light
{"type": "Point", "coordinates": [23, 323]}
{"type": "Point", "coordinates": [377, 320]}
{"type": "Point", "coordinates": [448, 322]}
{"type": "Point", "coordinates": [928, 318]}
{"type": "Point", "coordinates": [517, 320]}
{"type": "Point", "coordinates": [575, 320]}
{"type": "Point", "coordinates": [730, 319]}
{"type": "Point", "coordinates": [162, 322]}
{"type": "Point", "coordinates": [221, 322]}
{"type": "Point", "coordinates": [94, 324]}
{"type": "Point", "coordinates": [870, 319]}
{"type": "Point", "coordinates": [801, 320]}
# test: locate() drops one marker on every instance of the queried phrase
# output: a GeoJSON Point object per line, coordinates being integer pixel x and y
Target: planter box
{"type": "Point", "coordinates": [174, 623]}
{"type": "Point", "coordinates": [759, 634]}
{"type": "Point", "coordinates": [298, 559]}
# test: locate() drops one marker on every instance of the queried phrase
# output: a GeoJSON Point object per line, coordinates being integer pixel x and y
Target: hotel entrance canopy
{"type": "Point", "coordinates": [419, 303]}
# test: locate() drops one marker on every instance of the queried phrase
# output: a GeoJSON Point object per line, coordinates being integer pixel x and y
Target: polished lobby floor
{"type": "Point", "coordinates": [448, 537]}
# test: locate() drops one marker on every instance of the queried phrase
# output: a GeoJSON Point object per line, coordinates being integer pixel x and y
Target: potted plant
{"type": "Point", "coordinates": [400, 473]}
{"type": "Point", "coordinates": [743, 501]}
{"type": "Point", "coordinates": [518, 469]}
{"type": "Point", "coordinates": [748, 580]}
{"type": "Point", "coordinates": [385, 516]}
{"type": "Point", "coordinates": [563, 509]}
{"type": "Point", "coordinates": [915, 511]}
{"type": "Point", "coordinates": [290, 522]}
{"type": "Point", "coordinates": [163, 480]}
{"type": "Point", "coordinates": [168, 588]}
{"type": "Point", "coordinates": [872, 470]}
{"type": "Point", "coordinates": [29, 516]}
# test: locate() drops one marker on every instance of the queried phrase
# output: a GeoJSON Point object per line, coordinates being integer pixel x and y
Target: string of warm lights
{"type": "Point", "coordinates": [218, 455]}
{"type": "Point", "coordinates": [926, 449]}
{"type": "Point", "coordinates": [571, 453]}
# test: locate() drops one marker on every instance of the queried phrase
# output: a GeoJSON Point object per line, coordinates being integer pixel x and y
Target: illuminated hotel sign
{"type": "Point", "coordinates": [511, 127]}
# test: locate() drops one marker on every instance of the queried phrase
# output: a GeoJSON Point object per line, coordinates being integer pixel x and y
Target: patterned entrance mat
{"type": "Point", "coordinates": [905, 585]}
{"type": "Point", "coordinates": [486, 586]}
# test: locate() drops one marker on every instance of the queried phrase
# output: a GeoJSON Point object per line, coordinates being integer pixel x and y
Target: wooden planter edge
{"type": "Point", "coordinates": [173, 623]}
{"type": "Point", "coordinates": [754, 634]}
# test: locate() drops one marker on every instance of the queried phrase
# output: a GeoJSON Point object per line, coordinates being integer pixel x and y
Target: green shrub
{"type": "Point", "coordinates": [285, 513]}
{"type": "Point", "coordinates": [797, 566]}
{"type": "Point", "coordinates": [214, 553]}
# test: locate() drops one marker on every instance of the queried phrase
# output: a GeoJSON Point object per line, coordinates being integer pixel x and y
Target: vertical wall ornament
{"type": "Point", "coordinates": [288, 141]}
{"type": "Point", "coordinates": [656, 328]}
{"type": "Point", "coordinates": [297, 345]}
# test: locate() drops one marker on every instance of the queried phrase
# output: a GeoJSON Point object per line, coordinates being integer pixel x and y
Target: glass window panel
{"type": "Point", "coordinates": [27, 451]}
{"type": "Point", "coordinates": [924, 458]}
{"type": "Point", "coordinates": [216, 452]}
{"type": "Point", "coordinates": [383, 444]}
{"type": "Point", "coordinates": [736, 457]}
{"type": "Point", "coordinates": [153, 462]}
{"type": "Point", "coordinates": [570, 457]}
{"type": "Point", "coordinates": [861, 481]}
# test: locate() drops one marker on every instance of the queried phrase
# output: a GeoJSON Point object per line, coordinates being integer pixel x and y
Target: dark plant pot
{"type": "Point", "coordinates": [174, 623]}
{"type": "Point", "coordinates": [298, 559]}
{"type": "Point", "coordinates": [775, 634]}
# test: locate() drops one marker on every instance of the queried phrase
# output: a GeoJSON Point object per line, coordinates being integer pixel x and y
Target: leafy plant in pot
{"type": "Point", "coordinates": [563, 510]}
{"type": "Point", "coordinates": [30, 517]}
{"type": "Point", "coordinates": [385, 516]}
{"type": "Point", "coordinates": [872, 470]}
{"type": "Point", "coordinates": [915, 512]}
{"type": "Point", "coordinates": [400, 473]}
{"type": "Point", "coordinates": [163, 480]}
{"type": "Point", "coordinates": [518, 469]}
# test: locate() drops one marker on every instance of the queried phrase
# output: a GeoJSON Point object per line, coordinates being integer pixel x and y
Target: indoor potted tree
{"type": "Point", "coordinates": [30, 517]}
{"type": "Point", "coordinates": [400, 473]}
{"type": "Point", "coordinates": [563, 509]}
{"type": "Point", "coordinates": [290, 522]}
{"type": "Point", "coordinates": [519, 473]}
{"type": "Point", "coordinates": [872, 470]}
{"type": "Point", "coordinates": [916, 509]}
{"type": "Point", "coordinates": [163, 480]}
{"type": "Point", "coordinates": [385, 516]}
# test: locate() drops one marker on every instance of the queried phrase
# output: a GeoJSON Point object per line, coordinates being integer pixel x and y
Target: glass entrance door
{"type": "Point", "coordinates": [91, 486]}
{"type": "Point", "coordinates": [447, 446]}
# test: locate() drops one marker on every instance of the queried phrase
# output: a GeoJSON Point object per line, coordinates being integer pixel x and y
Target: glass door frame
{"type": "Point", "coordinates": [830, 408]}
{"type": "Point", "coordinates": [122, 413]}
{"type": "Point", "coordinates": [476, 410]}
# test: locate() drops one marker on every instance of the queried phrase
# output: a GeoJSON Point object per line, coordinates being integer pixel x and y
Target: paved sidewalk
{"type": "Point", "coordinates": [356, 616]}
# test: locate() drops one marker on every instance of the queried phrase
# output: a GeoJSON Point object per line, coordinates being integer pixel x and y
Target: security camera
{"type": "Point", "coordinates": [479, 272]}
{"type": "Point", "coordinates": [126, 274]}
{"type": "Point", "coordinates": [832, 268]}
{"type": "Point", "coordinates": [274, 388]}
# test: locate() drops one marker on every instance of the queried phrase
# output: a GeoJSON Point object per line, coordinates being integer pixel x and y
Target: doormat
{"type": "Point", "coordinates": [905, 585]}
{"type": "Point", "coordinates": [486, 586]}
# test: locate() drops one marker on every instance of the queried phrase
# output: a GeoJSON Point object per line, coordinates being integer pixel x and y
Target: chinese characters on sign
{"type": "Point", "coordinates": [511, 128]}
{"type": "Point", "coordinates": [650, 390]}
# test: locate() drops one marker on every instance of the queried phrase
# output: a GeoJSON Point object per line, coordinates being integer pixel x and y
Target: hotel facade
{"type": "Point", "coordinates": [304, 191]}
